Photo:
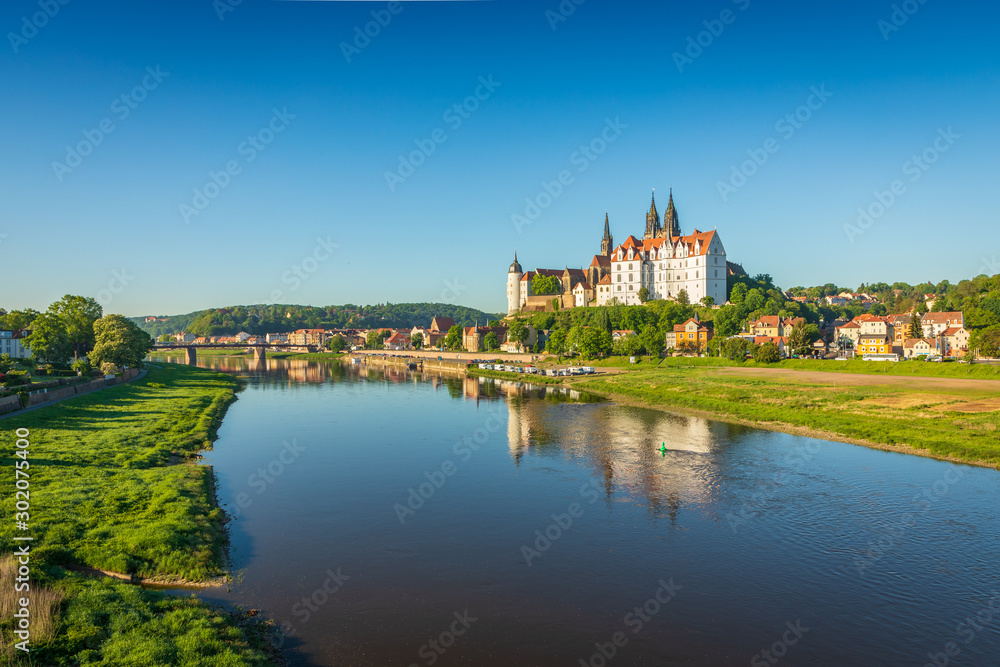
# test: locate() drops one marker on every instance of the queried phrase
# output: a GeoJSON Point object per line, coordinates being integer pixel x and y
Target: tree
{"type": "Point", "coordinates": [490, 342]}
{"type": "Point", "coordinates": [337, 343]}
{"type": "Point", "coordinates": [708, 301]}
{"type": "Point", "coordinates": [546, 284]}
{"type": "Point", "coordinates": [555, 304]}
{"type": "Point", "coordinates": [557, 342]}
{"type": "Point", "coordinates": [6, 363]}
{"type": "Point", "coordinates": [518, 332]}
{"type": "Point", "coordinates": [16, 320]}
{"type": "Point", "coordinates": [738, 294]}
{"type": "Point", "coordinates": [375, 340]}
{"type": "Point", "coordinates": [652, 340]}
{"type": "Point", "coordinates": [728, 321]}
{"type": "Point", "coordinates": [767, 353]}
{"type": "Point", "coordinates": [48, 341]}
{"type": "Point", "coordinates": [165, 338]}
{"type": "Point", "coordinates": [755, 300]}
{"type": "Point", "coordinates": [802, 337]}
{"type": "Point", "coordinates": [593, 343]}
{"type": "Point", "coordinates": [78, 314]}
{"type": "Point", "coordinates": [119, 341]}
{"type": "Point", "coordinates": [643, 295]}
{"type": "Point", "coordinates": [916, 328]}
{"type": "Point", "coordinates": [453, 341]}
{"type": "Point", "coordinates": [736, 349]}
{"type": "Point", "coordinates": [682, 297]}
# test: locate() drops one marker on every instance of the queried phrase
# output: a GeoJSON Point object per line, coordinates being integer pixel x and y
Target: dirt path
{"type": "Point", "coordinates": [858, 379]}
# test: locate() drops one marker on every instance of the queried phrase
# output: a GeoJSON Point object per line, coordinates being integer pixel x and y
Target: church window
{"type": "Point", "coordinates": [630, 276]}
{"type": "Point", "coordinates": [619, 277]}
{"type": "Point", "coordinates": [630, 268]}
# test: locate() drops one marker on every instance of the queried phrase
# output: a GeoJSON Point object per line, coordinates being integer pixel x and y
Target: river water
{"type": "Point", "coordinates": [394, 518]}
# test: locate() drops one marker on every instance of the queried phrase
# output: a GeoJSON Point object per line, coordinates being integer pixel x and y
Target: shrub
{"type": "Point", "coordinates": [16, 378]}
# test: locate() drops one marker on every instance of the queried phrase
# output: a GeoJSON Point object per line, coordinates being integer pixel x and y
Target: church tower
{"type": "Point", "coordinates": [671, 224]}
{"type": "Point", "coordinates": [607, 243]}
{"type": "Point", "coordinates": [514, 287]}
{"type": "Point", "coordinates": [652, 220]}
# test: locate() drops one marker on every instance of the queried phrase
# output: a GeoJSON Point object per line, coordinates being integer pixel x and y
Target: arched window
{"type": "Point", "coordinates": [630, 268]}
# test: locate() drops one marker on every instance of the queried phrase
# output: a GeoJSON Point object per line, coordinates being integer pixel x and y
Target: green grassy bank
{"type": "Point", "coordinates": [955, 423]}
{"type": "Point", "coordinates": [113, 486]}
{"type": "Point", "coordinates": [951, 369]}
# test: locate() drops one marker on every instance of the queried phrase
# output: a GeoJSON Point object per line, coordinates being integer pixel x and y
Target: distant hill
{"type": "Point", "coordinates": [262, 319]}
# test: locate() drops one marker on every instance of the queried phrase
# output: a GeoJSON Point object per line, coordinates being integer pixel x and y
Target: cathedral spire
{"type": "Point", "coordinates": [652, 219]}
{"type": "Point", "coordinates": [607, 242]}
{"type": "Point", "coordinates": [671, 223]}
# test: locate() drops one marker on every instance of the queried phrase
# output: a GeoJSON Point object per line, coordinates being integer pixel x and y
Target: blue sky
{"type": "Point", "coordinates": [312, 218]}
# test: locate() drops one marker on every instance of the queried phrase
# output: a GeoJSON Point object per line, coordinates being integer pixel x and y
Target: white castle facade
{"type": "Point", "coordinates": [659, 266]}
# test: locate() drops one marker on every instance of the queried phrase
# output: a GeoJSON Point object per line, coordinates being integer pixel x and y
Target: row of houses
{"type": "Point", "coordinates": [944, 334]}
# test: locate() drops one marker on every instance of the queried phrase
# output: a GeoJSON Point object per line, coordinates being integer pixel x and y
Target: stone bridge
{"type": "Point", "coordinates": [259, 349]}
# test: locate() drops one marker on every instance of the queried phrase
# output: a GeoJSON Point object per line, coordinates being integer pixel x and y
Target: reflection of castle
{"type": "Point", "coordinates": [621, 444]}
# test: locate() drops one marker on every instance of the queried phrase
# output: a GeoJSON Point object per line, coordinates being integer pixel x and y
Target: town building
{"type": "Point", "coordinates": [692, 334]}
{"type": "Point", "coordinates": [934, 324]}
{"type": "Point", "coordinates": [11, 343]}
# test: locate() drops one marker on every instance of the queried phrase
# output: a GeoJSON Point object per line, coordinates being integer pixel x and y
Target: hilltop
{"type": "Point", "coordinates": [276, 318]}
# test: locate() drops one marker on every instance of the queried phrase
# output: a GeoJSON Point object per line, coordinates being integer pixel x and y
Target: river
{"type": "Point", "coordinates": [394, 518]}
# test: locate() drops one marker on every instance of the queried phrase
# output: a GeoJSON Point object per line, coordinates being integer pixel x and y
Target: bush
{"type": "Point", "coordinates": [16, 378]}
{"type": "Point", "coordinates": [82, 366]}
{"type": "Point", "coordinates": [767, 353]}
{"type": "Point", "coordinates": [108, 368]}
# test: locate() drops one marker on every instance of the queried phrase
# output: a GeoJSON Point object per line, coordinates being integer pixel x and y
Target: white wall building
{"type": "Point", "coordinates": [665, 262]}
{"type": "Point", "coordinates": [10, 344]}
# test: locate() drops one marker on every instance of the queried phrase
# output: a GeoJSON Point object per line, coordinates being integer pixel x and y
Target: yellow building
{"type": "Point", "coordinates": [875, 344]}
{"type": "Point", "coordinates": [689, 335]}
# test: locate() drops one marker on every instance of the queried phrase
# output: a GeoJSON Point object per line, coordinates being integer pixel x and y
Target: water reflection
{"type": "Point", "coordinates": [757, 533]}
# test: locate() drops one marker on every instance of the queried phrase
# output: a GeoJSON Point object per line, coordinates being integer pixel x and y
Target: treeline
{"type": "Point", "coordinates": [264, 319]}
{"type": "Point", "coordinates": [75, 327]}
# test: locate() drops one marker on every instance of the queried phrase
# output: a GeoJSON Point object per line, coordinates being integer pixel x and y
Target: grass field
{"type": "Point", "coordinates": [945, 419]}
{"type": "Point", "coordinates": [113, 487]}
{"type": "Point", "coordinates": [952, 369]}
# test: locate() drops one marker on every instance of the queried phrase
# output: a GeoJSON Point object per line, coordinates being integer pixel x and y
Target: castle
{"type": "Point", "coordinates": [663, 263]}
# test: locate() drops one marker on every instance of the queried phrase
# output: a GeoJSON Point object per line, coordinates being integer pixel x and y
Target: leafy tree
{"type": "Point", "coordinates": [491, 342]}
{"type": "Point", "coordinates": [6, 363]}
{"type": "Point", "coordinates": [518, 332]}
{"type": "Point", "coordinates": [643, 295]}
{"type": "Point", "coordinates": [453, 341]}
{"type": "Point", "coordinates": [708, 301]}
{"type": "Point", "coordinates": [916, 328]}
{"type": "Point", "coordinates": [16, 320]}
{"type": "Point", "coordinates": [682, 297]}
{"type": "Point", "coordinates": [375, 339]}
{"type": "Point", "coordinates": [78, 314]}
{"type": "Point", "coordinates": [546, 284]}
{"type": "Point", "coordinates": [48, 340]}
{"type": "Point", "coordinates": [652, 340]}
{"type": "Point", "coordinates": [738, 294]}
{"type": "Point", "coordinates": [557, 342]}
{"type": "Point", "coordinates": [165, 338]}
{"type": "Point", "coordinates": [337, 343]}
{"type": "Point", "coordinates": [728, 321]}
{"type": "Point", "coordinates": [593, 343]}
{"type": "Point", "coordinates": [755, 300]}
{"type": "Point", "coordinates": [802, 336]}
{"type": "Point", "coordinates": [768, 353]}
{"type": "Point", "coordinates": [555, 304]}
{"type": "Point", "coordinates": [736, 349]}
{"type": "Point", "coordinates": [119, 341]}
